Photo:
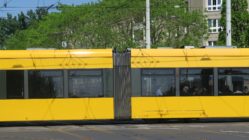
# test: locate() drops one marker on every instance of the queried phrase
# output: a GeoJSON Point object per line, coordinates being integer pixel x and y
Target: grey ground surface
{"type": "Point", "coordinates": [127, 131]}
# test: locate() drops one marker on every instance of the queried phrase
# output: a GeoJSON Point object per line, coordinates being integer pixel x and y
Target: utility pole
{"type": "Point", "coordinates": [228, 24]}
{"type": "Point", "coordinates": [148, 38]}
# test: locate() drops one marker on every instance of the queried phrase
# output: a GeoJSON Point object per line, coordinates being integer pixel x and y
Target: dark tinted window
{"type": "Point", "coordinates": [234, 71]}
{"type": "Point", "coordinates": [136, 82]}
{"type": "Point", "coordinates": [12, 84]}
{"type": "Point", "coordinates": [233, 81]}
{"type": "Point", "coordinates": [196, 82]}
{"type": "Point", "coordinates": [85, 83]}
{"type": "Point", "coordinates": [45, 84]}
{"type": "Point", "coordinates": [15, 84]}
{"type": "Point", "coordinates": [158, 82]}
{"type": "Point", "coordinates": [158, 72]}
{"type": "Point", "coordinates": [108, 82]}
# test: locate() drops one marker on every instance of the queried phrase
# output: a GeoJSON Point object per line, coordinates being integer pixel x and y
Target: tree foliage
{"type": "Point", "coordinates": [114, 24]}
{"type": "Point", "coordinates": [11, 24]}
{"type": "Point", "coordinates": [240, 23]}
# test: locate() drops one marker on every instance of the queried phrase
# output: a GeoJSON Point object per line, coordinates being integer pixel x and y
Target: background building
{"type": "Point", "coordinates": [212, 9]}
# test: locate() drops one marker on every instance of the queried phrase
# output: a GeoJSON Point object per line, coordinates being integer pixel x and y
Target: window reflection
{"type": "Point", "coordinates": [196, 82]}
{"type": "Point", "coordinates": [233, 81]}
{"type": "Point", "coordinates": [160, 82]}
{"type": "Point", "coordinates": [85, 83]}
{"type": "Point", "coordinates": [45, 84]}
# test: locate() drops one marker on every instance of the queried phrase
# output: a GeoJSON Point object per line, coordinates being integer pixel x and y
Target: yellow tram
{"type": "Point", "coordinates": [196, 83]}
{"type": "Point", "coordinates": [101, 84]}
{"type": "Point", "coordinates": [42, 85]}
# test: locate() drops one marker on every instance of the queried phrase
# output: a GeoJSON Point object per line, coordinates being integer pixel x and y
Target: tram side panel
{"type": "Point", "coordinates": [56, 109]}
{"type": "Point", "coordinates": [190, 107]}
{"type": "Point", "coordinates": [157, 94]}
{"type": "Point", "coordinates": [62, 91]}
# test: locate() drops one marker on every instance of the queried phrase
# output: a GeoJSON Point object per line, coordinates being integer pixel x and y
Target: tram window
{"type": "Point", "coordinates": [196, 82]}
{"type": "Point", "coordinates": [108, 82]}
{"type": "Point", "coordinates": [135, 83]}
{"type": "Point", "coordinates": [158, 82]}
{"type": "Point", "coordinates": [233, 81]}
{"type": "Point", "coordinates": [45, 84]}
{"type": "Point", "coordinates": [3, 90]}
{"type": "Point", "coordinates": [85, 83]}
{"type": "Point", "coordinates": [12, 84]}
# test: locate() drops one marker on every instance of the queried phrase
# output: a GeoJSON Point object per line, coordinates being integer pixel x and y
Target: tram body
{"type": "Point", "coordinates": [210, 105]}
{"type": "Point", "coordinates": [47, 66]}
{"type": "Point", "coordinates": [99, 84]}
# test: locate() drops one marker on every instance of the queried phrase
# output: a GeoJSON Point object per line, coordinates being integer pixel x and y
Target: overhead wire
{"type": "Point", "coordinates": [6, 8]}
{"type": "Point", "coordinates": [52, 6]}
{"type": "Point", "coordinates": [38, 3]}
{"type": "Point", "coordinates": [100, 6]}
{"type": "Point", "coordinates": [6, 2]}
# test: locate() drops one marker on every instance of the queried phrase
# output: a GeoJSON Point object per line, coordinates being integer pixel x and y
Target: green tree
{"type": "Point", "coordinates": [7, 27]}
{"type": "Point", "coordinates": [112, 23]}
{"type": "Point", "coordinates": [240, 23]}
{"type": "Point", "coordinates": [175, 26]}
{"type": "Point", "coordinates": [11, 24]}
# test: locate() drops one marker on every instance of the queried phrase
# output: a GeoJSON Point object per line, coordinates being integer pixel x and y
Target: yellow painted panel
{"type": "Point", "coordinates": [56, 59]}
{"type": "Point", "coordinates": [171, 58]}
{"type": "Point", "coordinates": [190, 107]}
{"type": "Point", "coordinates": [55, 53]}
{"type": "Point", "coordinates": [58, 63]}
{"type": "Point", "coordinates": [56, 109]}
{"type": "Point", "coordinates": [225, 52]}
{"type": "Point", "coordinates": [173, 62]}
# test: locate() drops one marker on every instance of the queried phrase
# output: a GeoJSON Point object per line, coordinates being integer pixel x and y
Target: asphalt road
{"type": "Point", "coordinates": [145, 131]}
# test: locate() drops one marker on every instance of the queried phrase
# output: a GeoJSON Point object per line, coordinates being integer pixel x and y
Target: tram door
{"type": "Point", "coordinates": [122, 85]}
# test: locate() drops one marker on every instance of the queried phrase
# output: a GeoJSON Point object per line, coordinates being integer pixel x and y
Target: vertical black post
{"type": "Point", "coordinates": [65, 83]}
{"type": "Point", "coordinates": [216, 82]}
{"type": "Point", "coordinates": [122, 85]}
{"type": "Point", "coordinates": [26, 84]}
{"type": "Point", "coordinates": [177, 76]}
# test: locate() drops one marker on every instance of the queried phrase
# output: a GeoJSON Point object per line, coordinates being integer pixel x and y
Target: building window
{"type": "Point", "coordinates": [196, 82]}
{"type": "Point", "coordinates": [214, 5]}
{"type": "Point", "coordinates": [233, 81]}
{"type": "Point", "coordinates": [213, 25]}
{"type": "Point", "coordinates": [45, 84]}
{"type": "Point", "coordinates": [158, 82]}
{"type": "Point", "coordinates": [211, 43]}
{"type": "Point", "coordinates": [85, 83]}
